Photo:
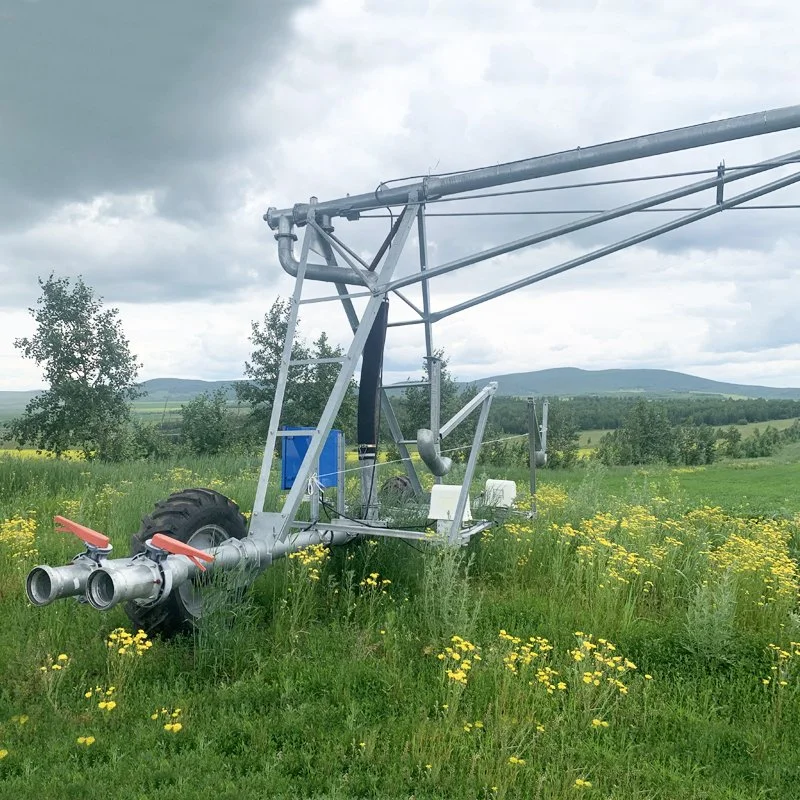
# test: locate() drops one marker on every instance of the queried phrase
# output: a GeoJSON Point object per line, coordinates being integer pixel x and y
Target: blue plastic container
{"type": "Point", "coordinates": [294, 449]}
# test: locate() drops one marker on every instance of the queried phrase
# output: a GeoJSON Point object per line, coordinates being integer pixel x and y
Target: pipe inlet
{"type": "Point", "coordinates": [39, 586]}
{"type": "Point", "coordinates": [100, 591]}
{"type": "Point", "coordinates": [46, 584]}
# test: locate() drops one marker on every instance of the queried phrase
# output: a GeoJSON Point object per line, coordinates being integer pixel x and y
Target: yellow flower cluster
{"type": "Point", "coordinates": [609, 667]}
{"type": "Point", "coordinates": [375, 582]}
{"type": "Point", "coordinates": [124, 643]}
{"type": "Point", "coordinates": [313, 558]}
{"type": "Point", "coordinates": [712, 517]}
{"type": "Point", "coordinates": [20, 719]}
{"type": "Point", "coordinates": [181, 477]}
{"type": "Point", "coordinates": [516, 761]}
{"type": "Point", "coordinates": [549, 498]}
{"type": "Point", "coordinates": [18, 536]}
{"type": "Point", "coordinates": [599, 543]}
{"type": "Point", "coordinates": [87, 741]}
{"type": "Point", "coordinates": [55, 665]}
{"type": "Point", "coordinates": [473, 727]}
{"type": "Point", "coordinates": [636, 546]}
{"type": "Point", "coordinates": [761, 548]}
{"type": "Point", "coordinates": [103, 696]}
{"type": "Point", "coordinates": [785, 664]}
{"type": "Point", "coordinates": [535, 651]}
{"type": "Point", "coordinates": [106, 497]}
{"type": "Point", "coordinates": [580, 783]}
{"type": "Point", "coordinates": [459, 659]}
{"type": "Point", "coordinates": [172, 723]}
{"type": "Point", "coordinates": [3, 753]}
{"type": "Point", "coordinates": [519, 530]}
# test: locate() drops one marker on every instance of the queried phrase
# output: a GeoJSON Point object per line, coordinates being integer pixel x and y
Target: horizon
{"type": "Point", "coordinates": [474, 379]}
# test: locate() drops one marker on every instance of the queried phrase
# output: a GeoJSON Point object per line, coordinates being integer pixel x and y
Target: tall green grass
{"type": "Point", "coordinates": [325, 678]}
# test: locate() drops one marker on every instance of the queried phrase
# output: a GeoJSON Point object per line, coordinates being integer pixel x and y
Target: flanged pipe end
{"type": "Point", "coordinates": [101, 590]}
{"type": "Point", "coordinates": [39, 585]}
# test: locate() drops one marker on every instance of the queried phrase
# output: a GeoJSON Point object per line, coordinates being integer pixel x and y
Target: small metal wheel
{"type": "Point", "coordinates": [199, 517]}
{"type": "Point", "coordinates": [397, 490]}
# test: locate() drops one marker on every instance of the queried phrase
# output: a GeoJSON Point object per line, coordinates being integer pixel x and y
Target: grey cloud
{"type": "Point", "coordinates": [104, 97]}
{"type": "Point", "coordinates": [767, 318]}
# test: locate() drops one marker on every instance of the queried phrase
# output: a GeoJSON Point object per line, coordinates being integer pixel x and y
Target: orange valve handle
{"type": "Point", "coordinates": [170, 545]}
{"type": "Point", "coordinates": [87, 535]}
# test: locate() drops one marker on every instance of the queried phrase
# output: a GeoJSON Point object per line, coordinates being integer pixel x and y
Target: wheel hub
{"type": "Point", "coordinates": [191, 592]}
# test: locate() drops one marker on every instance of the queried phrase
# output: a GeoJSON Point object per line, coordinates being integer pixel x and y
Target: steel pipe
{"type": "Point", "coordinates": [724, 130]}
{"type": "Point", "coordinates": [148, 581]}
{"type": "Point", "coordinates": [46, 584]}
{"type": "Point", "coordinates": [140, 579]}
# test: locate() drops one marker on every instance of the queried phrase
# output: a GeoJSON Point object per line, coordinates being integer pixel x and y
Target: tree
{"type": "Point", "coordinates": [695, 444]}
{"type": "Point", "coordinates": [562, 435]}
{"type": "Point", "coordinates": [417, 410]}
{"type": "Point", "coordinates": [205, 428]}
{"type": "Point", "coordinates": [309, 386]}
{"type": "Point", "coordinates": [265, 363]}
{"type": "Point", "coordinates": [321, 379]}
{"type": "Point", "coordinates": [731, 442]}
{"type": "Point", "coordinates": [86, 361]}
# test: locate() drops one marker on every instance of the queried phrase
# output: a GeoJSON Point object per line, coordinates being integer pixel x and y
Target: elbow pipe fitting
{"type": "Point", "coordinates": [429, 453]}
{"type": "Point", "coordinates": [314, 272]}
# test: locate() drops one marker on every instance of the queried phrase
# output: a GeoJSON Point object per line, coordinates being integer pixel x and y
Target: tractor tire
{"type": "Point", "coordinates": [199, 517]}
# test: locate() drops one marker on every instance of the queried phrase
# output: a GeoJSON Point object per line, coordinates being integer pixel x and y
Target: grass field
{"type": "Point", "coordinates": [619, 646]}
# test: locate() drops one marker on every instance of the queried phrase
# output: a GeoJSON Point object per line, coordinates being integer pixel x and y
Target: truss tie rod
{"type": "Point", "coordinates": [654, 144]}
{"type": "Point", "coordinates": [329, 297]}
{"type": "Point", "coordinates": [587, 222]}
{"type": "Point", "coordinates": [461, 415]}
{"type": "Point", "coordinates": [305, 362]}
{"type": "Point", "coordinates": [622, 245]}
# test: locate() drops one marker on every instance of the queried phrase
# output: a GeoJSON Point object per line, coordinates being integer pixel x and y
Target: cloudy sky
{"type": "Point", "coordinates": [141, 143]}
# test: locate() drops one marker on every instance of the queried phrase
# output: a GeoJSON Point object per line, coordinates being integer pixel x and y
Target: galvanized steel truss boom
{"type": "Point", "coordinates": [375, 280]}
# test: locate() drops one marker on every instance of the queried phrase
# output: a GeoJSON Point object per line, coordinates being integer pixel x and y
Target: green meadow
{"type": "Point", "coordinates": [633, 640]}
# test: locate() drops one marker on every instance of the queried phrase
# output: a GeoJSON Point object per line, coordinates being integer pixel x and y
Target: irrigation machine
{"type": "Point", "coordinates": [197, 531]}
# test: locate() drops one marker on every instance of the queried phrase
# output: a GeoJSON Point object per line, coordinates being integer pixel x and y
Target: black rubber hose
{"type": "Point", "coordinates": [369, 395]}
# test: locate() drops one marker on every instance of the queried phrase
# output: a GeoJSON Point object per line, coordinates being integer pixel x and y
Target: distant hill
{"type": "Point", "coordinates": [562, 382]}
{"type": "Point", "coordinates": [181, 390]}
{"type": "Point", "coordinates": [570, 382]}
{"type": "Point", "coordinates": [159, 390]}
{"type": "Point", "coordinates": [12, 403]}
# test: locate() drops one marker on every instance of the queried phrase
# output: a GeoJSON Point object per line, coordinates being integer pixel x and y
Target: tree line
{"type": "Point", "coordinates": [86, 360]}
{"type": "Point", "coordinates": [608, 412]}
